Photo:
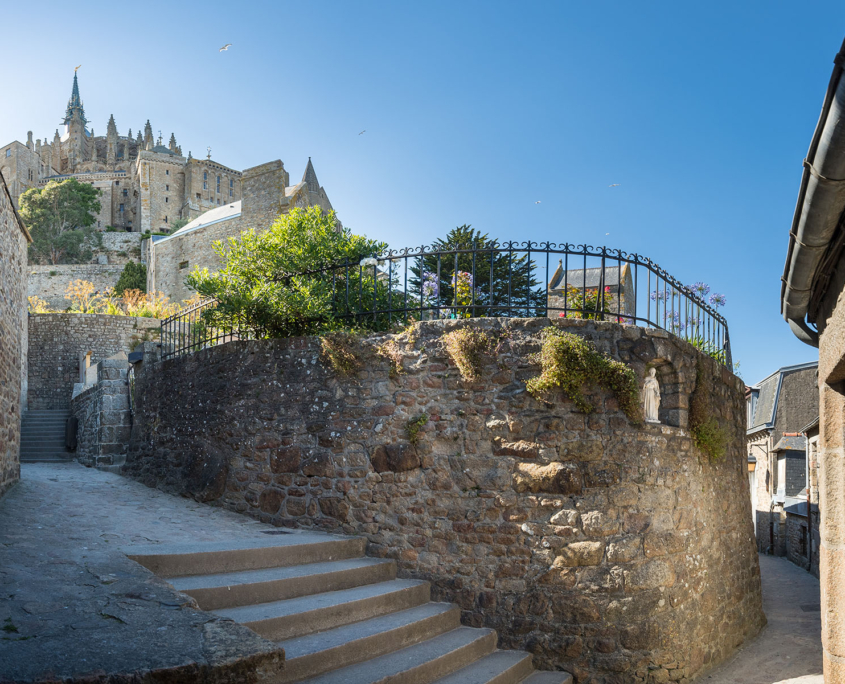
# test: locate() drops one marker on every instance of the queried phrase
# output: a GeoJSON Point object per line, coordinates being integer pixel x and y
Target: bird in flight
{"type": "Point", "coordinates": [362, 132]}
{"type": "Point", "coordinates": [225, 47]}
{"type": "Point", "coordinates": [538, 202]}
{"type": "Point", "coordinates": [77, 69]}
{"type": "Point", "coordinates": [613, 185]}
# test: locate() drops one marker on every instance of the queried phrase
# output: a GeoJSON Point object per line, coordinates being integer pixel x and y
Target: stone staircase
{"type": "Point", "coordinates": [43, 436]}
{"type": "Point", "coordinates": [341, 618]}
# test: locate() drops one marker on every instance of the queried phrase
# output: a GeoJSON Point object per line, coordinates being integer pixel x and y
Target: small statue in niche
{"type": "Point", "coordinates": [651, 397]}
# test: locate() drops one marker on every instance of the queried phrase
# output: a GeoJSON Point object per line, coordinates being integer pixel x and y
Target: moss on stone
{"type": "Point", "coordinates": [570, 362]}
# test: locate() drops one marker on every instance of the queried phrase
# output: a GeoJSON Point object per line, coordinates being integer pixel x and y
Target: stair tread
{"type": "Point", "coordinates": [293, 539]}
{"type": "Point", "coordinates": [548, 678]}
{"type": "Point", "coordinates": [272, 574]}
{"type": "Point", "coordinates": [298, 647]}
{"type": "Point", "coordinates": [304, 604]}
{"type": "Point", "coordinates": [391, 664]}
{"type": "Point", "coordinates": [485, 669]}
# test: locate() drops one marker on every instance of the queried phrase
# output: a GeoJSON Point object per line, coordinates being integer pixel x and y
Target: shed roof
{"type": "Point", "coordinates": [791, 443]}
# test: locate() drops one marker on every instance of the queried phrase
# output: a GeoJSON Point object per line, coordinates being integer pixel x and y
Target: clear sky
{"type": "Point", "coordinates": [473, 111]}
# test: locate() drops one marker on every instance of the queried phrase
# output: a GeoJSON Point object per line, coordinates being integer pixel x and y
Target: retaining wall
{"type": "Point", "coordinates": [57, 342]}
{"type": "Point", "coordinates": [616, 551]}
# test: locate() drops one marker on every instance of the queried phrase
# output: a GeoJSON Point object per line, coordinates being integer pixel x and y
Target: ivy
{"type": "Point", "coordinates": [569, 362]}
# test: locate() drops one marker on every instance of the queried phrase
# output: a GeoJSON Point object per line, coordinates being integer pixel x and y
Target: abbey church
{"type": "Point", "coordinates": [146, 187]}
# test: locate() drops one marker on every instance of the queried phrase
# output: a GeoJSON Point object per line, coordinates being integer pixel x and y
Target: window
{"type": "Point", "coordinates": [165, 219]}
{"type": "Point", "coordinates": [121, 208]}
{"type": "Point", "coordinates": [117, 182]}
{"type": "Point", "coordinates": [231, 187]}
{"type": "Point", "coordinates": [183, 264]}
{"type": "Point", "coordinates": [166, 199]}
{"type": "Point", "coordinates": [199, 197]}
{"type": "Point", "coordinates": [167, 172]}
{"type": "Point", "coordinates": [125, 192]}
{"type": "Point", "coordinates": [9, 152]}
{"type": "Point", "coordinates": [166, 188]}
{"type": "Point", "coordinates": [218, 183]}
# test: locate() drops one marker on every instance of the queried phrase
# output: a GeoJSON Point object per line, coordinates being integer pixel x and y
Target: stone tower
{"type": "Point", "coordinates": [111, 141]}
{"type": "Point", "coordinates": [75, 134]}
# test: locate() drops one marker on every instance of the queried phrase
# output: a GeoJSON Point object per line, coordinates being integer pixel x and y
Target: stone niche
{"type": "Point", "coordinates": [616, 551]}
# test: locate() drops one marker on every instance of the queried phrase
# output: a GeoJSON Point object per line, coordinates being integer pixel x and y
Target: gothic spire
{"type": "Point", "coordinates": [310, 177]}
{"type": "Point", "coordinates": [111, 131]}
{"type": "Point", "coordinates": [74, 104]}
{"type": "Point", "coordinates": [172, 145]}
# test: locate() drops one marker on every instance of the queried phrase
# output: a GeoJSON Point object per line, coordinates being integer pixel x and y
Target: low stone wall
{"type": "Point", "coordinates": [616, 551]}
{"type": "Point", "coordinates": [50, 282]}
{"type": "Point", "coordinates": [119, 248]}
{"type": "Point", "coordinates": [103, 415]}
{"type": "Point", "coordinates": [57, 342]}
{"type": "Point", "coordinates": [13, 246]}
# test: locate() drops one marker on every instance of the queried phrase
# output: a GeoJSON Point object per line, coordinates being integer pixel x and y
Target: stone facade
{"type": "Point", "coordinates": [266, 195]}
{"type": "Point", "coordinates": [51, 282]}
{"type": "Point", "coordinates": [13, 243]}
{"type": "Point", "coordinates": [59, 344]}
{"type": "Point", "coordinates": [802, 539]}
{"type": "Point", "coordinates": [615, 551]}
{"type": "Point", "coordinates": [103, 414]}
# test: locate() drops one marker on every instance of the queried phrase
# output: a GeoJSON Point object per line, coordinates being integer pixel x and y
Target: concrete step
{"type": "Point", "coordinates": [284, 550]}
{"type": "Point", "coordinates": [43, 434]}
{"type": "Point", "coordinates": [40, 448]}
{"type": "Point", "coordinates": [314, 654]}
{"type": "Point", "coordinates": [279, 620]}
{"type": "Point", "coordinates": [228, 590]}
{"type": "Point", "coordinates": [548, 678]}
{"type": "Point", "coordinates": [55, 458]}
{"type": "Point", "coordinates": [500, 667]}
{"type": "Point", "coordinates": [421, 663]}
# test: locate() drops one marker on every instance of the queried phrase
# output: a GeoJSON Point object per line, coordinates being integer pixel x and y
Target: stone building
{"type": "Point", "coordinates": [267, 193]}
{"type": "Point", "coordinates": [813, 303]}
{"type": "Point", "coordinates": [146, 185]}
{"type": "Point", "coordinates": [585, 283]}
{"type": "Point", "coordinates": [778, 407]}
{"type": "Point", "coordinates": [13, 335]}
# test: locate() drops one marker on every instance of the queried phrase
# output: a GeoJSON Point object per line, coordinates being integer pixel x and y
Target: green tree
{"type": "Point", "coordinates": [179, 223]}
{"type": "Point", "coordinates": [267, 285]}
{"type": "Point", "coordinates": [60, 217]}
{"type": "Point", "coordinates": [488, 275]}
{"type": "Point", "coordinates": [133, 277]}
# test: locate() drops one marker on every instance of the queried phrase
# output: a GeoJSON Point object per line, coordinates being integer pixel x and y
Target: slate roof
{"type": "Point", "coordinates": [767, 398]}
{"type": "Point", "coordinates": [791, 443]}
{"type": "Point", "coordinates": [589, 278]}
{"type": "Point", "coordinates": [216, 215]}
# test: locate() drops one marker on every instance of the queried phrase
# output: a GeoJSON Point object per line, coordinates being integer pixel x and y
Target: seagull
{"type": "Point", "coordinates": [362, 132]}
{"type": "Point", "coordinates": [537, 202]}
{"type": "Point", "coordinates": [225, 47]}
{"type": "Point", "coordinates": [613, 185]}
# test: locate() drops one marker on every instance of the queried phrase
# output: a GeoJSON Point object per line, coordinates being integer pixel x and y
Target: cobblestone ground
{"type": "Point", "coordinates": [71, 603]}
{"type": "Point", "coordinates": [789, 648]}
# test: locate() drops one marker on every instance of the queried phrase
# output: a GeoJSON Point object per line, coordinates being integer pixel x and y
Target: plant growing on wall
{"type": "Point", "coordinates": [270, 285]}
{"type": "Point", "coordinates": [707, 434]}
{"type": "Point", "coordinates": [38, 305]}
{"type": "Point", "coordinates": [60, 217]}
{"type": "Point", "coordinates": [467, 348]}
{"type": "Point", "coordinates": [414, 426]}
{"type": "Point", "coordinates": [590, 304]}
{"type": "Point", "coordinates": [570, 362]}
{"type": "Point", "coordinates": [338, 351]}
{"type": "Point", "coordinates": [133, 277]}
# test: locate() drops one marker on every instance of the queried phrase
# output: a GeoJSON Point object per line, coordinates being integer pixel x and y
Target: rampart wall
{"type": "Point", "coordinates": [616, 551]}
{"type": "Point", "coordinates": [57, 342]}
{"type": "Point", "coordinates": [50, 282]}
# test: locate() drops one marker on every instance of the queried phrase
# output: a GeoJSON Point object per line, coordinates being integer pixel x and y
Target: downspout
{"type": "Point", "coordinates": [821, 199]}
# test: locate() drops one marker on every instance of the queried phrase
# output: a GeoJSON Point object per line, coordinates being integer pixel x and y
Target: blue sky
{"type": "Point", "coordinates": [702, 113]}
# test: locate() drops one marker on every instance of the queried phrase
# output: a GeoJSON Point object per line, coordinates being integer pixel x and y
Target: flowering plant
{"type": "Point", "coordinates": [591, 304]}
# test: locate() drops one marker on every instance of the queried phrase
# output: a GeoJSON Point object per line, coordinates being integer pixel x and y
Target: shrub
{"type": "Point", "coordinates": [338, 351]}
{"type": "Point", "coordinates": [268, 284]}
{"type": "Point", "coordinates": [414, 426]}
{"type": "Point", "coordinates": [570, 362]}
{"type": "Point", "coordinates": [467, 348]}
{"type": "Point", "coordinates": [133, 277]}
{"type": "Point", "coordinates": [84, 297]}
{"type": "Point", "coordinates": [38, 305]}
{"type": "Point", "coordinates": [707, 434]}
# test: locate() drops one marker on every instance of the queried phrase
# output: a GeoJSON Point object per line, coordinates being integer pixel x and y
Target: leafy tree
{"type": "Point", "coordinates": [133, 277]}
{"type": "Point", "coordinates": [179, 223]}
{"type": "Point", "coordinates": [488, 278]}
{"type": "Point", "coordinates": [269, 284]}
{"type": "Point", "coordinates": [60, 217]}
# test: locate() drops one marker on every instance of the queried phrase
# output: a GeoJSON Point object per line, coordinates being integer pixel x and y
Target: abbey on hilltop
{"type": "Point", "coordinates": [146, 185]}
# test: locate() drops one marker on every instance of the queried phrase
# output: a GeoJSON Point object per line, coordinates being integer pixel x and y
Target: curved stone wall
{"type": "Point", "coordinates": [616, 551]}
{"type": "Point", "coordinates": [57, 341]}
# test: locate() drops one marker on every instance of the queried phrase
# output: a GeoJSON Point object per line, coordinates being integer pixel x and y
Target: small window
{"type": "Point", "coordinates": [166, 188]}
{"type": "Point", "coordinates": [117, 182]}
{"type": "Point", "coordinates": [165, 219]}
{"type": "Point", "coordinates": [205, 185]}
{"type": "Point", "coordinates": [183, 264]}
{"type": "Point", "coordinates": [167, 172]}
{"type": "Point", "coordinates": [205, 175]}
{"type": "Point", "coordinates": [166, 200]}
{"type": "Point", "coordinates": [218, 183]}
{"type": "Point", "coordinates": [199, 197]}
{"type": "Point", "coordinates": [231, 187]}
{"type": "Point", "coordinates": [121, 207]}
{"type": "Point", "coordinates": [9, 152]}
{"type": "Point", "coordinates": [125, 192]}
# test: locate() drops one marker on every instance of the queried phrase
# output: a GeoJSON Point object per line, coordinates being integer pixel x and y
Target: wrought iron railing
{"type": "Point", "coordinates": [512, 279]}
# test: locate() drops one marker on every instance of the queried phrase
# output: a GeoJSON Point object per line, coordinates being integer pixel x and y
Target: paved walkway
{"type": "Point", "coordinates": [71, 603]}
{"type": "Point", "coordinates": [789, 647]}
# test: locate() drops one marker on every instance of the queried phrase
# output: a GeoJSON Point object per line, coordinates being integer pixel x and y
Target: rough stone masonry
{"type": "Point", "coordinates": [616, 551]}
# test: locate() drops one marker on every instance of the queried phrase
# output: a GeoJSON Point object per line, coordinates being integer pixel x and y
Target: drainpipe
{"type": "Point", "coordinates": [821, 199]}
{"type": "Point", "coordinates": [809, 507]}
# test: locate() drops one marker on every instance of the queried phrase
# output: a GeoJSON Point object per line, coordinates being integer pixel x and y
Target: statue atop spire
{"type": "Point", "coordinates": [74, 105]}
